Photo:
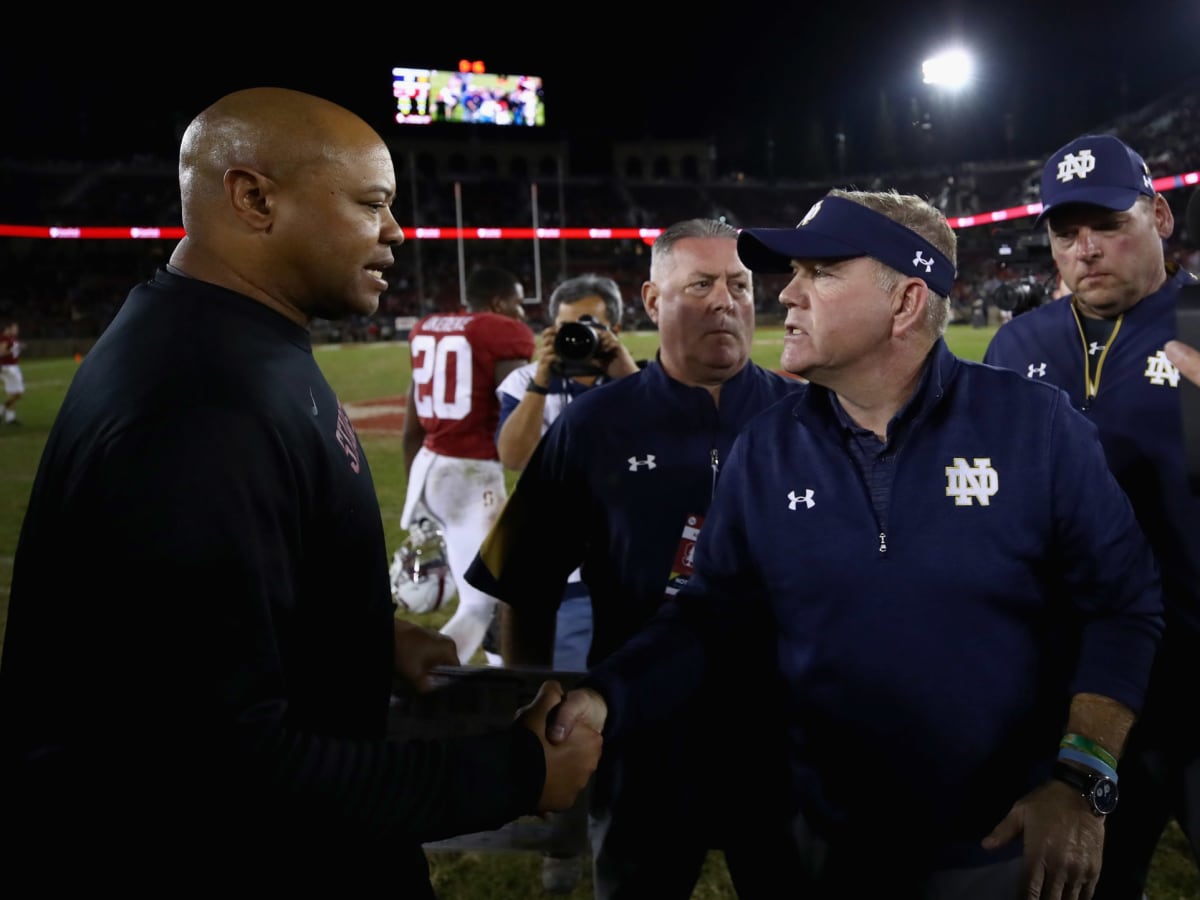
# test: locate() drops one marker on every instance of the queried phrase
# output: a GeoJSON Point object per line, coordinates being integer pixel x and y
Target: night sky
{"type": "Point", "coordinates": [764, 82]}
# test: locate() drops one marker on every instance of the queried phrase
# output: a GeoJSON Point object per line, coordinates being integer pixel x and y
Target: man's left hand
{"type": "Point", "coordinates": [1064, 842]}
{"type": "Point", "coordinates": [417, 652]}
{"type": "Point", "coordinates": [615, 356]}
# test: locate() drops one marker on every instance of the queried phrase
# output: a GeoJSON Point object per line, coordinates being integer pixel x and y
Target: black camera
{"type": "Point", "coordinates": [1022, 295]}
{"type": "Point", "coordinates": [577, 345]}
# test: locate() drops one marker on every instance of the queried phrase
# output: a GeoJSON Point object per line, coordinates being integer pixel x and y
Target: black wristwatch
{"type": "Point", "coordinates": [1098, 790]}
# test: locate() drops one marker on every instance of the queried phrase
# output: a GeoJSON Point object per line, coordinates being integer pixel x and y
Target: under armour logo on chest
{"type": "Point", "coordinates": [920, 260]}
{"type": "Point", "coordinates": [1039, 370]}
{"type": "Point", "coordinates": [635, 463]}
{"type": "Point", "coordinates": [1094, 348]}
{"type": "Point", "coordinates": [806, 499]}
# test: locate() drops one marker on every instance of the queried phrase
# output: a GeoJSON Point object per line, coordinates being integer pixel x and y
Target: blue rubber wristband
{"type": "Point", "coordinates": [1087, 745]}
{"type": "Point", "coordinates": [1096, 765]}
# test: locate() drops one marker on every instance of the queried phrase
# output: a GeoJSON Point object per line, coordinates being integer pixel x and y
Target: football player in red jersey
{"type": "Point", "coordinates": [454, 473]}
{"type": "Point", "coordinates": [10, 372]}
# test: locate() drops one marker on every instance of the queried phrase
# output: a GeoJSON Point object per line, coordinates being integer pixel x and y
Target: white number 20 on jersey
{"type": "Point", "coordinates": [432, 359]}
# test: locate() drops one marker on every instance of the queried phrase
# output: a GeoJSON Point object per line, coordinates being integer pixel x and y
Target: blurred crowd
{"type": "Point", "coordinates": [71, 288]}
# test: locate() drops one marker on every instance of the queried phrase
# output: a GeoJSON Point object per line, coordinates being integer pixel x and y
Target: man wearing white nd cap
{"type": "Point", "coordinates": [1105, 344]}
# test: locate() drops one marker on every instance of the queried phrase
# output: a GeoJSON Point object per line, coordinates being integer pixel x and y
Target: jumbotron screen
{"type": "Point", "coordinates": [468, 94]}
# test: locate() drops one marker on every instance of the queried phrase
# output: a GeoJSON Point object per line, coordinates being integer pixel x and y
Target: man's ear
{"type": "Point", "coordinates": [1164, 217]}
{"type": "Point", "coordinates": [250, 196]}
{"type": "Point", "coordinates": [650, 295]}
{"type": "Point", "coordinates": [909, 304]}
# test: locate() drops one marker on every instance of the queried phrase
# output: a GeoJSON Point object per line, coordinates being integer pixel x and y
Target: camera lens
{"type": "Point", "coordinates": [1020, 296]}
{"type": "Point", "coordinates": [576, 341]}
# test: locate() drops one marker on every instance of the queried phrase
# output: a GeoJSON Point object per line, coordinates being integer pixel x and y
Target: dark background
{"type": "Point", "coordinates": [768, 84]}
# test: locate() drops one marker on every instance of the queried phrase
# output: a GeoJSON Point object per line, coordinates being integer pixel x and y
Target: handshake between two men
{"type": "Point", "coordinates": [568, 729]}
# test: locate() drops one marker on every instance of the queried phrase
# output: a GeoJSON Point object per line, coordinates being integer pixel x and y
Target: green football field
{"type": "Point", "coordinates": [370, 380]}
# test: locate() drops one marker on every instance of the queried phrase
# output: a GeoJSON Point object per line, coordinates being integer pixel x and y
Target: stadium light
{"type": "Point", "coordinates": [951, 69]}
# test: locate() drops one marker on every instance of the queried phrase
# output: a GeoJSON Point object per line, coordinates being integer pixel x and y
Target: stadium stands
{"type": "Point", "coordinates": [69, 289]}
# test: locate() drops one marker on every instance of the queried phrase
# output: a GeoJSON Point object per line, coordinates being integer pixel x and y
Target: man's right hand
{"type": "Point", "coordinates": [571, 760]}
{"type": "Point", "coordinates": [582, 706]}
{"type": "Point", "coordinates": [1185, 358]}
{"type": "Point", "coordinates": [547, 359]}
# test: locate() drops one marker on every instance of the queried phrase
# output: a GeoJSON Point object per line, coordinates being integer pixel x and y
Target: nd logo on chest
{"type": "Point", "coordinates": [974, 483]}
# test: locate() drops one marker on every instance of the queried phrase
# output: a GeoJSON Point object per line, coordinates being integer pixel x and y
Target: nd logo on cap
{"type": "Point", "coordinates": [1095, 169]}
{"type": "Point", "coordinates": [1076, 165]}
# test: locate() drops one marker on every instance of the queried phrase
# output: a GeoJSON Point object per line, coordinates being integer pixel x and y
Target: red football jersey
{"type": "Point", "coordinates": [454, 360]}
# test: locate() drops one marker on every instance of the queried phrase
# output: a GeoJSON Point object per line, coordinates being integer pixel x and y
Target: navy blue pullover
{"type": "Point", "coordinates": [1135, 404]}
{"type": "Point", "coordinates": [929, 659]}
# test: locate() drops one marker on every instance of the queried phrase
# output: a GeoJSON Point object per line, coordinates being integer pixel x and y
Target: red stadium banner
{"type": "Point", "coordinates": [1164, 184]}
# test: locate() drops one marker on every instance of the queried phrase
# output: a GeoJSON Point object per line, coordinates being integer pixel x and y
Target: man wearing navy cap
{"type": "Point", "coordinates": [942, 593]}
{"type": "Point", "coordinates": [1105, 345]}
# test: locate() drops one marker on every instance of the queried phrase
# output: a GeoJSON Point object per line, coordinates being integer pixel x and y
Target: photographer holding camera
{"type": "Point", "coordinates": [578, 350]}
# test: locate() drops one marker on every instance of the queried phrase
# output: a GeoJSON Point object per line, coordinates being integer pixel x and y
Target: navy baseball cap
{"type": "Point", "coordinates": [837, 228]}
{"type": "Point", "coordinates": [1097, 169]}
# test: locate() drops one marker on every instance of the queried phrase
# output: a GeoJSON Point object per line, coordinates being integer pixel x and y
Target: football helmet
{"type": "Point", "coordinates": [421, 580]}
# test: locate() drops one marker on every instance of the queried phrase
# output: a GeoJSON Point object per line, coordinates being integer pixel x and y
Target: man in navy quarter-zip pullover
{"type": "Point", "coordinates": [956, 592]}
{"type": "Point", "coordinates": [620, 485]}
{"type": "Point", "coordinates": [1104, 344]}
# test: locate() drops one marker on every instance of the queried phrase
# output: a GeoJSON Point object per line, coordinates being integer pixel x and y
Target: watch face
{"type": "Point", "coordinates": [1104, 796]}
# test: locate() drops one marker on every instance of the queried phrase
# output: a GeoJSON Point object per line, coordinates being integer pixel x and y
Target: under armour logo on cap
{"type": "Point", "coordinates": [837, 228]}
{"type": "Point", "coordinates": [811, 214]}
